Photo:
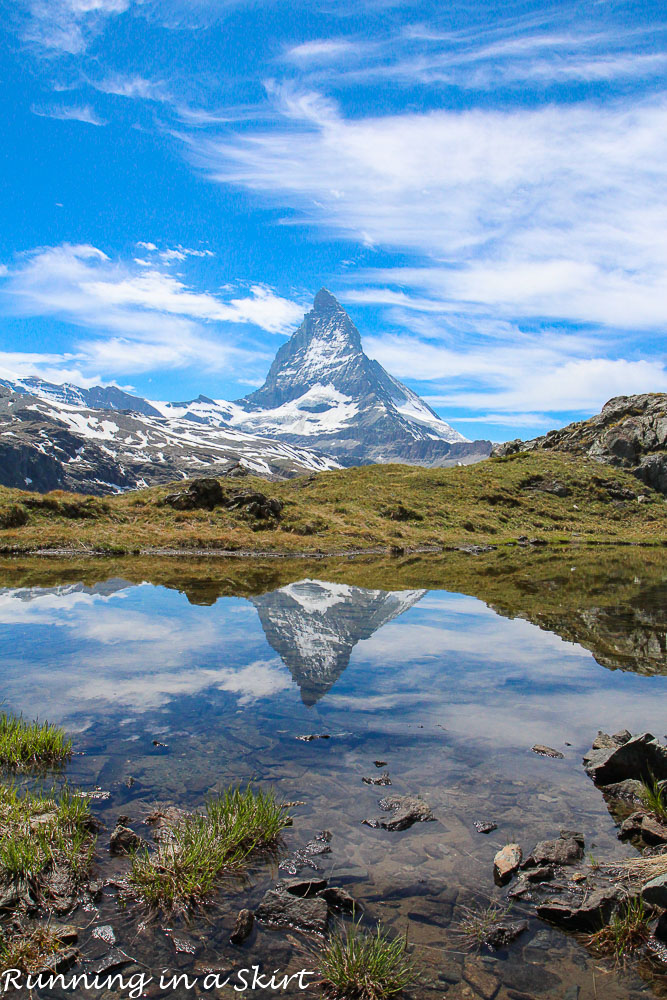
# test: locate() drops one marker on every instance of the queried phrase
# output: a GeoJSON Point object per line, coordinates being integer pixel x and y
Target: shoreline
{"type": "Point", "coordinates": [316, 554]}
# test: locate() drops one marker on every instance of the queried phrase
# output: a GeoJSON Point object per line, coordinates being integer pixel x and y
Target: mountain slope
{"type": "Point", "coordinates": [324, 392]}
{"type": "Point", "coordinates": [630, 433]}
{"type": "Point", "coordinates": [47, 444]}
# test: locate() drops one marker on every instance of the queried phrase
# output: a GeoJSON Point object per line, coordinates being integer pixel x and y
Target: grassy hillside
{"type": "Point", "coordinates": [552, 497]}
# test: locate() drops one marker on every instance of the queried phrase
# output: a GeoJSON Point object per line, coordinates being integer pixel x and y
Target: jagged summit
{"type": "Point", "coordinates": [324, 390]}
{"type": "Point", "coordinates": [325, 350]}
{"type": "Point", "coordinates": [324, 301]}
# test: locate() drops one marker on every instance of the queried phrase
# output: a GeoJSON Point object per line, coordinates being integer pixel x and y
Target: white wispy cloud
{"type": "Point", "coordinates": [136, 319]}
{"type": "Point", "coordinates": [66, 26]}
{"type": "Point", "coordinates": [324, 50]}
{"type": "Point", "coordinates": [83, 113]}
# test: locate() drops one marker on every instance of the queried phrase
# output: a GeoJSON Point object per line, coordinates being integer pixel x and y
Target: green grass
{"type": "Point", "coordinates": [625, 933]}
{"type": "Point", "coordinates": [44, 838]}
{"type": "Point", "coordinates": [405, 507]}
{"type": "Point", "coordinates": [360, 965]}
{"type": "Point", "coordinates": [654, 798]}
{"type": "Point", "coordinates": [29, 949]}
{"type": "Point", "coordinates": [25, 744]}
{"type": "Point", "coordinates": [185, 868]}
{"type": "Point", "coordinates": [477, 924]}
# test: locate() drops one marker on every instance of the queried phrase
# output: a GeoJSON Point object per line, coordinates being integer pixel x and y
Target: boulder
{"type": "Point", "coordinates": [339, 899]}
{"type": "Point", "coordinates": [653, 831]}
{"type": "Point", "coordinates": [256, 504]}
{"type": "Point", "coordinates": [640, 757]}
{"type": "Point", "coordinates": [567, 850]}
{"type": "Point", "coordinates": [504, 932]}
{"type": "Point", "coordinates": [201, 494]}
{"type": "Point", "coordinates": [630, 790]}
{"type": "Point", "coordinates": [506, 863]}
{"type": "Point", "coordinates": [304, 887]}
{"type": "Point", "coordinates": [632, 825]}
{"type": "Point", "coordinates": [655, 892]}
{"type": "Point", "coordinates": [405, 809]}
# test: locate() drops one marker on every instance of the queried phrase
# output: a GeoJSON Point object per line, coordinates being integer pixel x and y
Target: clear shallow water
{"type": "Point", "coordinates": [451, 694]}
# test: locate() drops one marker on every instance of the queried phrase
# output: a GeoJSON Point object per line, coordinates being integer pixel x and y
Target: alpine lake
{"type": "Point", "coordinates": [176, 679]}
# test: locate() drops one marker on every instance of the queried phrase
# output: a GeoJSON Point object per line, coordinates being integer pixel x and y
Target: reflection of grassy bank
{"type": "Point", "coordinates": [550, 496]}
{"type": "Point", "coordinates": [521, 579]}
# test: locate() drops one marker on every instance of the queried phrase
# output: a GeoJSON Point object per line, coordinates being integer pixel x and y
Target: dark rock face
{"type": "Point", "coordinates": [322, 391]}
{"type": "Point", "coordinates": [201, 494]}
{"type": "Point", "coordinates": [630, 432]}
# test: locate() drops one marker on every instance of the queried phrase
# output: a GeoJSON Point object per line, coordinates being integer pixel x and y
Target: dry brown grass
{"type": "Point", "coordinates": [368, 507]}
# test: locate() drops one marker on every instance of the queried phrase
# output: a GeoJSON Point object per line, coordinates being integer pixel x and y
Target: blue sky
{"type": "Point", "coordinates": [482, 185]}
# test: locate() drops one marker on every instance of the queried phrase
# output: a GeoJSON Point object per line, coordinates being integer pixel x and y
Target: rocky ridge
{"type": "Point", "coordinates": [630, 433]}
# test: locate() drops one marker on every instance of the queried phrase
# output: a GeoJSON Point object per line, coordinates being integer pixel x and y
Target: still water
{"type": "Point", "coordinates": [449, 689]}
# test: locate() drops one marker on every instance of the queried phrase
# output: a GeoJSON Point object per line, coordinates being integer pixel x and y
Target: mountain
{"type": "Point", "coordinates": [324, 404]}
{"type": "Point", "coordinates": [323, 392]}
{"type": "Point", "coordinates": [314, 626]}
{"type": "Point", "coordinates": [46, 444]}
{"type": "Point", "coordinates": [630, 433]}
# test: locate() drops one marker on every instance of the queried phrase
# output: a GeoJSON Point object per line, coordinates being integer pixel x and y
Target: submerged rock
{"type": "Point", "coordinates": [304, 887]}
{"type": "Point", "coordinates": [245, 921]}
{"type": "Point", "coordinates": [484, 826]}
{"type": "Point", "coordinates": [123, 840]}
{"type": "Point", "coordinates": [545, 751]}
{"type": "Point", "coordinates": [281, 909]}
{"type": "Point", "coordinates": [339, 899]}
{"type": "Point", "coordinates": [585, 912]}
{"type": "Point", "coordinates": [506, 862]}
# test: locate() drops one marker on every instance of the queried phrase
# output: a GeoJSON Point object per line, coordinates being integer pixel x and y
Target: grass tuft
{"type": "Point", "coordinates": [654, 798]}
{"type": "Point", "coordinates": [625, 933]}
{"type": "Point", "coordinates": [29, 951]}
{"type": "Point", "coordinates": [25, 744]}
{"type": "Point", "coordinates": [359, 965]}
{"type": "Point", "coordinates": [45, 842]}
{"type": "Point", "coordinates": [200, 850]}
{"type": "Point", "coordinates": [477, 925]}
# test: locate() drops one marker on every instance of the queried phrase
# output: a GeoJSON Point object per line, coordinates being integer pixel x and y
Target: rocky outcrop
{"type": "Point", "coordinates": [630, 433]}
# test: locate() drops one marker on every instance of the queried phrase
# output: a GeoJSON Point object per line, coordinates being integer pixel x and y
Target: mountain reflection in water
{"type": "Point", "coordinates": [314, 626]}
